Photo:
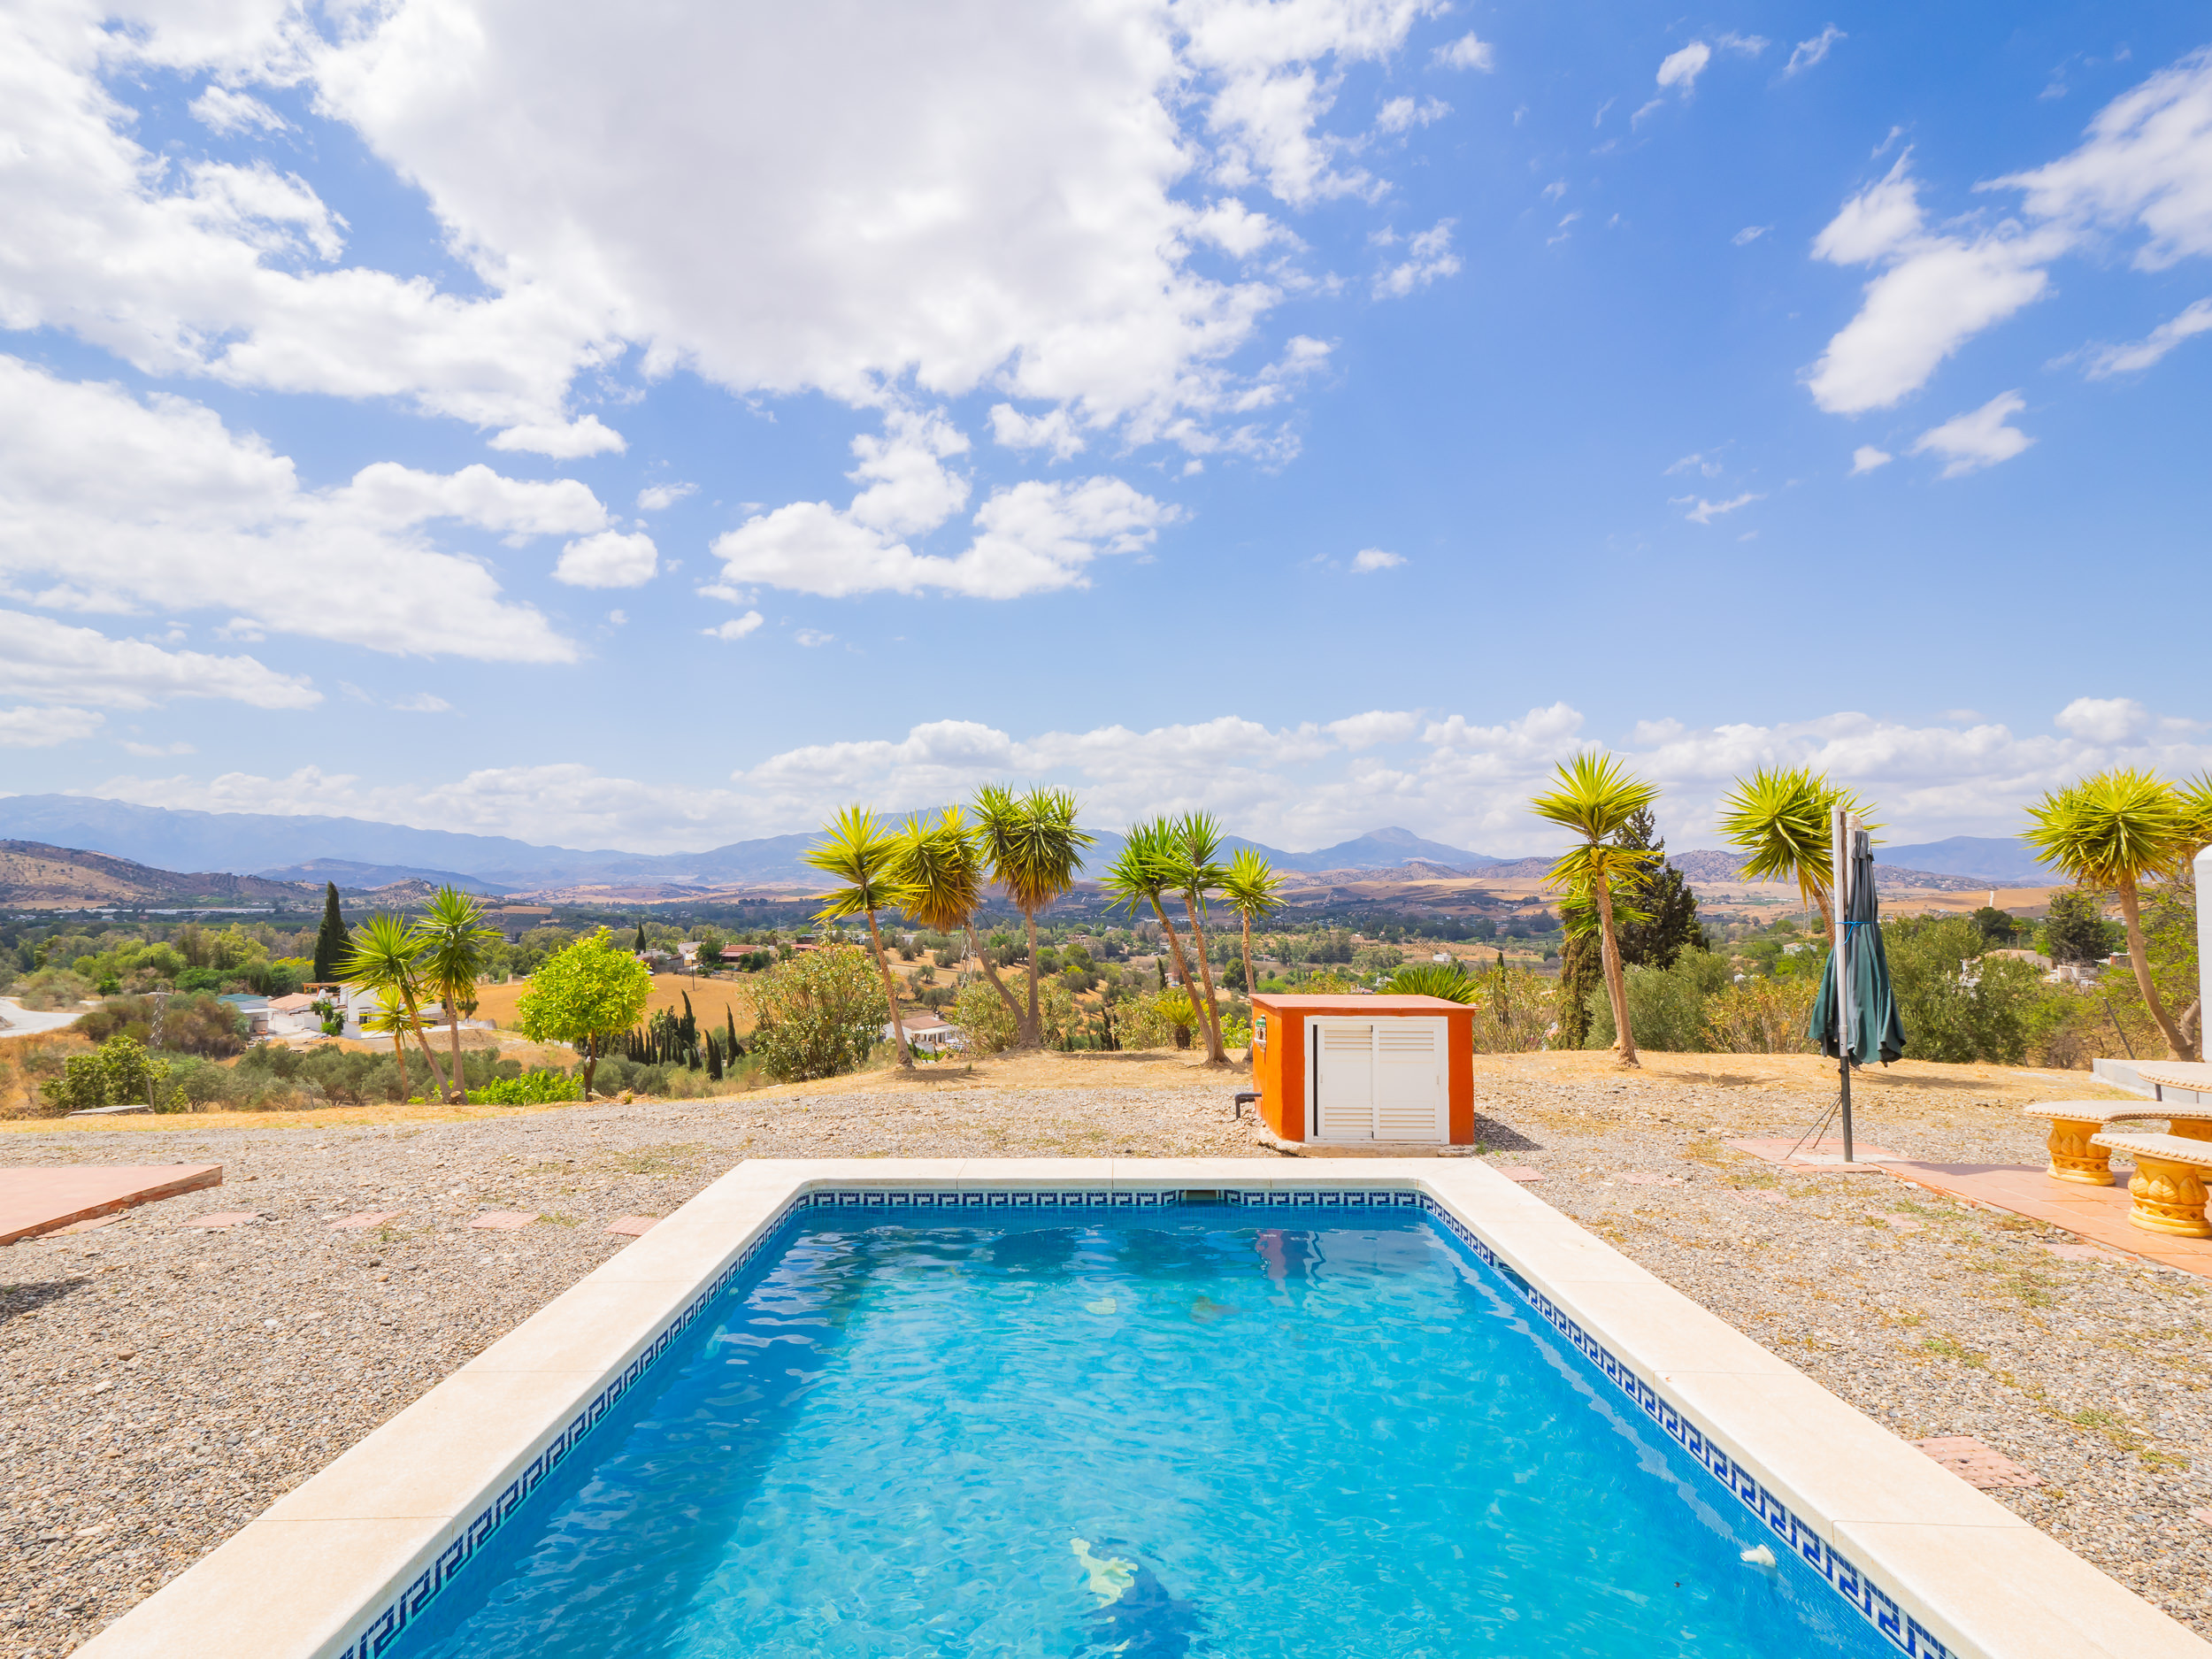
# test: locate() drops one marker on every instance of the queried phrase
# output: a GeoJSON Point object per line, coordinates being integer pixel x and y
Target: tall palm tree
{"type": "Point", "coordinates": [391, 1019]}
{"type": "Point", "coordinates": [857, 849]}
{"type": "Point", "coordinates": [1143, 873]}
{"type": "Point", "coordinates": [1251, 889]}
{"type": "Point", "coordinates": [938, 871]}
{"type": "Point", "coordinates": [2113, 831]}
{"type": "Point", "coordinates": [1199, 872]}
{"type": "Point", "coordinates": [1779, 817]}
{"type": "Point", "coordinates": [1035, 851]}
{"type": "Point", "coordinates": [454, 937]}
{"type": "Point", "coordinates": [1595, 795]}
{"type": "Point", "coordinates": [386, 954]}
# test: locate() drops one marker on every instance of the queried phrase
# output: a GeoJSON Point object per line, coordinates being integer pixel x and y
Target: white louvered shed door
{"type": "Point", "coordinates": [1378, 1081]}
{"type": "Point", "coordinates": [1409, 1092]}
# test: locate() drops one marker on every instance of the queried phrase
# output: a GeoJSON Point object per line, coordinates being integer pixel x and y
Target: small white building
{"type": "Point", "coordinates": [929, 1032]}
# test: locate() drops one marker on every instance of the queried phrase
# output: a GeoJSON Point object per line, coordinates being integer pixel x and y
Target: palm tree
{"type": "Point", "coordinates": [939, 872]}
{"type": "Point", "coordinates": [453, 936]}
{"type": "Point", "coordinates": [1595, 796]}
{"type": "Point", "coordinates": [1143, 873]}
{"type": "Point", "coordinates": [1780, 818]}
{"type": "Point", "coordinates": [1034, 850]}
{"type": "Point", "coordinates": [1251, 889]}
{"type": "Point", "coordinates": [390, 1017]}
{"type": "Point", "coordinates": [1198, 871]}
{"type": "Point", "coordinates": [2113, 831]}
{"type": "Point", "coordinates": [386, 954]}
{"type": "Point", "coordinates": [857, 850]}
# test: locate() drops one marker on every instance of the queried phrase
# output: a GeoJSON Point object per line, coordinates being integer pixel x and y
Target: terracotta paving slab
{"type": "Point", "coordinates": [505, 1220]}
{"type": "Point", "coordinates": [1976, 1464]}
{"type": "Point", "coordinates": [633, 1227]}
{"type": "Point", "coordinates": [35, 1201]}
{"type": "Point", "coordinates": [2097, 1214]}
{"type": "Point", "coordinates": [1516, 1173]}
{"type": "Point", "coordinates": [366, 1218]}
{"type": "Point", "coordinates": [224, 1219]}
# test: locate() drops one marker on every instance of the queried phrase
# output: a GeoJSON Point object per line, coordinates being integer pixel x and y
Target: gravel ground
{"type": "Point", "coordinates": [164, 1384]}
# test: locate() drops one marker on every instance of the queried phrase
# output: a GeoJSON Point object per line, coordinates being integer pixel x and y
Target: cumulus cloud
{"type": "Point", "coordinates": [658, 497]}
{"type": "Point", "coordinates": [1402, 114]}
{"type": "Point", "coordinates": [1429, 257]}
{"type": "Point", "coordinates": [735, 628]}
{"type": "Point", "coordinates": [223, 110]}
{"type": "Point", "coordinates": [610, 559]}
{"type": "Point", "coordinates": [2144, 169]}
{"type": "Point", "coordinates": [2104, 720]}
{"type": "Point", "coordinates": [1810, 52]}
{"type": "Point", "coordinates": [1866, 458]}
{"type": "Point", "coordinates": [30, 727]}
{"type": "Point", "coordinates": [1682, 68]}
{"type": "Point", "coordinates": [1466, 52]}
{"type": "Point", "coordinates": [1977, 439]}
{"type": "Point", "coordinates": [1052, 431]}
{"type": "Point", "coordinates": [1373, 559]}
{"type": "Point", "coordinates": [53, 660]}
{"type": "Point", "coordinates": [2132, 360]}
{"type": "Point", "coordinates": [564, 441]}
{"type": "Point", "coordinates": [109, 504]}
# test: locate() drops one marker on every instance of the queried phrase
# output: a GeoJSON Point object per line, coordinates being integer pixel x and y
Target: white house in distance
{"type": "Point", "coordinates": [927, 1031]}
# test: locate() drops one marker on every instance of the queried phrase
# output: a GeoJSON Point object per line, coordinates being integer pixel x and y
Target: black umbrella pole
{"type": "Point", "coordinates": [1843, 1067]}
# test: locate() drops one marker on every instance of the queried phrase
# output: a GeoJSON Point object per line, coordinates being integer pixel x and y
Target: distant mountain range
{"type": "Point", "coordinates": [37, 876]}
{"type": "Point", "coordinates": [358, 853]}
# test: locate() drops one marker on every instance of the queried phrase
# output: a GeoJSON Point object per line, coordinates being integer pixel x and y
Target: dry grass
{"type": "Point", "coordinates": [709, 1000]}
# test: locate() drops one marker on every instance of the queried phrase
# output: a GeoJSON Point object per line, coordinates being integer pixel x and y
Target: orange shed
{"type": "Point", "coordinates": [1365, 1068]}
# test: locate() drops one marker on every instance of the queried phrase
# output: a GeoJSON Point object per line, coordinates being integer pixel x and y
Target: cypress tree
{"type": "Point", "coordinates": [729, 1015]}
{"type": "Point", "coordinates": [330, 942]}
{"type": "Point", "coordinates": [1581, 971]}
{"type": "Point", "coordinates": [690, 1026]}
{"type": "Point", "coordinates": [640, 939]}
{"type": "Point", "coordinates": [1673, 928]}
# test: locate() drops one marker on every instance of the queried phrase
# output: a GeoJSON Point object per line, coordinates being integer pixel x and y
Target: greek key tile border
{"type": "Point", "coordinates": [1873, 1603]}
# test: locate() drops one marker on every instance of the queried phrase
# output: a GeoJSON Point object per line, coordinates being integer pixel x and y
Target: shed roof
{"type": "Point", "coordinates": [1381, 1005]}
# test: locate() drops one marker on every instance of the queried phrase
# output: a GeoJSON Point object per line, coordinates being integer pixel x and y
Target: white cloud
{"type": "Point", "coordinates": [1402, 114]}
{"type": "Point", "coordinates": [610, 559]}
{"type": "Point", "coordinates": [158, 751]}
{"type": "Point", "coordinates": [110, 504]}
{"type": "Point", "coordinates": [659, 497]}
{"type": "Point", "coordinates": [1466, 52]}
{"type": "Point", "coordinates": [1703, 512]}
{"type": "Point", "coordinates": [421, 702]}
{"type": "Point", "coordinates": [735, 628]}
{"type": "Point", "coordinates": [225, 111]}
{"type": "Point", "coordinates": [1373, 559]}
{"type": "Point", "coordinates": [1681, 69]}
{"type": "Point", "coordinates": [2132, 360]}
{"type": "Point", "coordinates": [1978, 438]}
{"type": "Point", "coordinates": [564, 441]}
{"type": "Point", "coordinates": [1749, 233]}
{"type": "Point", "coordinates": [1052, 430]}
{"type": "Point", "coordinates": [56, 662]}
{"type": "Point", "coordinates": [2104, 720]}
{"type": "Point", "coordinates": [1866, 458]}
{"type": "Point", "coordinates": [1704, 465]}
{"type": "Point", "coordinates": [1462, 782]}
{"type": "Point", "coordinates": [812, 638]}
{"type": "Point", "coordinates": [2144, 166]}
{"type": "Point", "coordinates": [47, 729]}
{"type": "Point", "coordinates": [1810, 52]}
{"type": "Point", "coordinates": [1429, 256]}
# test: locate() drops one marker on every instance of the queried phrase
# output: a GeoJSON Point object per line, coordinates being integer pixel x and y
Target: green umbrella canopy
{"type": "Point", "coordinates": [1876, 1032]}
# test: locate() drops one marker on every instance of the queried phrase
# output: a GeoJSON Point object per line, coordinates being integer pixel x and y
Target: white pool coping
{"type": "Point", "coordinates": [1948, 1569]}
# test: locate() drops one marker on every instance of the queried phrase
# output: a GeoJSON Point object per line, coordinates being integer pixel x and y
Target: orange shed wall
{"type": "Point", "coordinates": [1278, 1070]}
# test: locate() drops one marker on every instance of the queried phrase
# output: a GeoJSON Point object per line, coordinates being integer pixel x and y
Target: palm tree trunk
{"type": "Point", "coordinates": [975, 949]}
{"type": "Point", "coordinates": [1251, 986]}
{"type": "Point", "coordinates": [1623, 1038]}
{"type": "Point", "coordinates": [890, 996]}
{"type": "Point", "coordinates": [453, 1024]}
{"type": "Point", "coordinates": [1174, 944]}
{"type": "Point", "coordinates": [422, 1040]}
{"type": "Point", "coordinates": [1827, 914]}
{"type": "Point", "coordinates": [399, 1058]}
{"type": "Point", "coordinates": [1032, 1025]}
{"type": "Point", "coordinates": [1216, 1055]}
{"type": "Point", "coordinates": [2139, 958]}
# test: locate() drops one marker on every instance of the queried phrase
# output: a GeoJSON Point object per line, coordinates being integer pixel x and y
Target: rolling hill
{"type": "Point", "coordinates": [35, 875]}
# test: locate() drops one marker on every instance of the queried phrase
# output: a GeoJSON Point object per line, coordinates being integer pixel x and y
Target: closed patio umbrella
{"type": "Point", "coordinates": [1854, 1017]}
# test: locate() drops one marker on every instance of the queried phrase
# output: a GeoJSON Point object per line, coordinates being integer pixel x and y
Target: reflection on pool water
{"type": "Point", "coordinates": [1167, 1432]}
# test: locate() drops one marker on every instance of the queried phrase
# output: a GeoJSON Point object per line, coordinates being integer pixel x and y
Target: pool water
{"type": "Point", "coordinates": [1167, 1432]}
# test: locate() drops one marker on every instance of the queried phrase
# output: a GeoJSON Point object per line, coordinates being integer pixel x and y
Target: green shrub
{"type": "Point", "coordinates": [1666, 1006]}
{"type": "Point", "coordinates": [1956, 1004]}
{"type": "Point", "coordinates": [51, 989]}
{"type": "Point", "coordinates": [989, 1025]}
{"type": "Point", "coordinates": [532, 1088]}
{"type": "Point", "coordinates": [1761, 1016]}
{"type": "Point", "coordinates": [819, 1014]}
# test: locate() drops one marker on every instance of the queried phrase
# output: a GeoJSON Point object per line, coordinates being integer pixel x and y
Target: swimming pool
{"type": "Point", "coordinates": [1189, 1430]}
{"type": "Point", "coordinates": [1388, 1407]}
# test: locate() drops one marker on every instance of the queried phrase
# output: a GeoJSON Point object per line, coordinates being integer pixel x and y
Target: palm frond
{"type": "Point", "coordinates": [1595, 794]}
{"type": "Point", "coordinates": [2114, 828]}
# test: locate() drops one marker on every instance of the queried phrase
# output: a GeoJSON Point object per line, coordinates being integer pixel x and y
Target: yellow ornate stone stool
{"type": "Point", "coordinates": [2075, 1156]}
{"type": "Point", "coordinates": [2169, 1185]}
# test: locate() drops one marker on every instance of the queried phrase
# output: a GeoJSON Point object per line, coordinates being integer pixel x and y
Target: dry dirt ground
{"type": "Point", "coordinates": [163, 1384]}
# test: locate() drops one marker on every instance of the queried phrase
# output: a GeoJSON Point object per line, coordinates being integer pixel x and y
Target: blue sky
{"type": "Point", "coordinates": [1330, 412]}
